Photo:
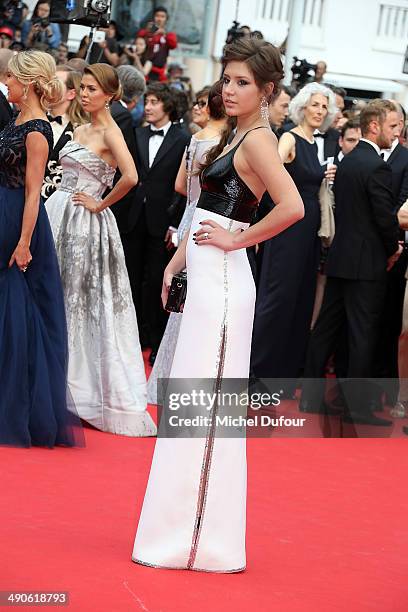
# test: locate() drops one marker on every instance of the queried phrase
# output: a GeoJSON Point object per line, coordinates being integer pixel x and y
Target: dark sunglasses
{"type": "Point", "coordinates": [200, 103]}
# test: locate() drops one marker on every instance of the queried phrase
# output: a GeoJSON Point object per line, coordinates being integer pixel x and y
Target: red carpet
{"type": "Point", "coordinates": [327, 528]}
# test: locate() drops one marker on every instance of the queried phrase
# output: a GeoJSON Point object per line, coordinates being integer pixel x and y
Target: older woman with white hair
{"type": "Point", "coordinates": [287, 279]}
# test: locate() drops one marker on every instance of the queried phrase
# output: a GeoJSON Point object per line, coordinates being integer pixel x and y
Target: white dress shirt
{"type": "Point", "coordinates": [373, 144]}
{"type": "Point", "coordinates": [386, 153]}
{"type": "Point", "coordinates": [320, 147]}
{"type": "Point", "coordinates": [155, 142]}
{"type": "Point", "coordinates": [340, 156]}
{"type": "Point", "coordinates": [58, 129]}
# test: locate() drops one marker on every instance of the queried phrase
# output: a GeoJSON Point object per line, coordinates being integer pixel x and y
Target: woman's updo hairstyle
{"type": "Point", "coordinates": [264, 61]}
{"type": "Point", "coordinates": [215, 101]}
{"type": "Point", "coordinates": [107, 78]}
{"type": "Point", "coordinates": [38, 68]}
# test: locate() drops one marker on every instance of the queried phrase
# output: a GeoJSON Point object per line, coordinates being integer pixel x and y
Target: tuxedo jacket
{"type": "Point", "coordinates": [155, 190]}
{"type": "Point", "coordinates": [331, 143]}
{"type": "Point", "coordinates": [366, 223]}
{"type": "Point", "coordinates": [398, 160]}
{"type": "Point", "coordinates": [53, 169]}
{"type": "Point", "coordinates": [6, 112]}
{"type": "Point", "coordinates": [124, 121]}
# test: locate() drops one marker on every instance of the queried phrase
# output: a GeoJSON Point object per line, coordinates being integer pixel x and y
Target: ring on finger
{"type": "Point", "coordinates": [206, 235]}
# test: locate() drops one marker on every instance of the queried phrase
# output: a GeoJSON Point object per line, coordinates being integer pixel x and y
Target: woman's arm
{"type": "Point", "coordinates": [181, 179]}
{"type": "Point", "coordinates": [117, 145]}
{"type": "Point", "coordinates": [54, 35]}
{"type": "Point", "coordinates": [403, 216]}
{"type": "Point", "coordinates": [37, 155]}
{"type": "Point", "coordinates": [147, 67]}
{"type": "Point", "coordinates": [262, 158]}
{"type": "Point", "coordinates": [176, 265]}
{"type": "Point", "coordinates": [287, 147]}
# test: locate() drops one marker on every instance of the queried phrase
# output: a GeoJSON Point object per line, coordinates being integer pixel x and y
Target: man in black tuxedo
{"type": "Point", "coordinates": [365, 246]}
{"type": "Point", "coordinates": [159, 151]}
{"type": "Point", "coordinates": [133, 87]}
{"type": "Point", "coordinates": [62, 127]}
{"type": "Point", "coordinates": [386, 361]}
{"type": "Point", "coordinates": [6, 112]}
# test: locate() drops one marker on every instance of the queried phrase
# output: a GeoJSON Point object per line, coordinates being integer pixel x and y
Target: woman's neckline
{"type": "Point", "coordinates": [238, 143]}
{"type": "Point", "coordinates": [29, 120]}
{"type": "Point", "coordinates": [93, 152]}
{"type": "Point", "coordinates": [311, 142]}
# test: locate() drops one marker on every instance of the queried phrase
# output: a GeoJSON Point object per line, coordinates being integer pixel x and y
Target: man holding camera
{"type": "Point", "coordinates": [159, 42]}
{"type": "Point", "coordinates": [39, 32]}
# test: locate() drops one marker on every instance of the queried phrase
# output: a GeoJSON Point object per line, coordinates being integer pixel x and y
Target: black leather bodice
{"type": "Point", "coordinates": [13, 154]}
{"type": "Point", "coordinates": [224, 192]}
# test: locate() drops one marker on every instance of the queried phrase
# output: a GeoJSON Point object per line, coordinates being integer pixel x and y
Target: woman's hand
{"type": "Point", "coordinates": [21, 257]}
{"type": "Point", "coordinates": [330, 173]}
{"type": "Point", "coordinates": [215, 235]}
{"type": "Point", "coordinates": [167, 278]}
{"type": "Point", "coordinates": [82, 199]}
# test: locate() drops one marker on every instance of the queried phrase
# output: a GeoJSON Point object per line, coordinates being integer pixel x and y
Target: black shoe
{"type": "Point", "coordinates": [366, 419]}
{"type": "Point", "coordinates": [152, 357]}
{"type": "Point", "coordinates": [375, 405]}
{"type": "Point", "coordinates": [405, 430]}
{"type": "Point", "coordinates": [306, 406]}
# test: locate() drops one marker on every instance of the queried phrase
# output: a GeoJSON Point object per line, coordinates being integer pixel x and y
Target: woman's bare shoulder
{"type": "Point", "coordinates": [287, 137]}
{"type": "Point", "coordinates": [260, 138]}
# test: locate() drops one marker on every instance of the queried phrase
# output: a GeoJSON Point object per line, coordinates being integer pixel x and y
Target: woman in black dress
{"type": "Point", "coordinates": [287, 279]}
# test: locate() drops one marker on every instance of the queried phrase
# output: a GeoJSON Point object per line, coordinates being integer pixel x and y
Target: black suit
{"type": "Point", "coordinates": [366, 235]}
{"type": "Point", "coordinates": [386, 361]}
{"type": "Point", "coordinates": [146, 222]}
{"type": "Point", "coordinates": [6, 112]}
{"type": "Point", "coordinates": [124, 121]}
{"type": "Point", "coordinates": [331, 143]}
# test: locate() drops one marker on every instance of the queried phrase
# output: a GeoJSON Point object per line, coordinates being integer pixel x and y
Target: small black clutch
{"type": "Point", "coordinates": [177, 293]}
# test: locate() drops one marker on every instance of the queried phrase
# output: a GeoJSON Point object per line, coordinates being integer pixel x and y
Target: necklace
{"type": "Point", "coordinates": [306, 138]}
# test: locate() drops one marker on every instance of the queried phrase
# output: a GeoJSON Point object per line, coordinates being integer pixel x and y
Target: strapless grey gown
{"type": "Point", "coordinates": [106, 373]}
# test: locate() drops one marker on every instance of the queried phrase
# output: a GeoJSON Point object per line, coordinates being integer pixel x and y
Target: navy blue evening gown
{"type": "Point", "coordinates": [33, 336]}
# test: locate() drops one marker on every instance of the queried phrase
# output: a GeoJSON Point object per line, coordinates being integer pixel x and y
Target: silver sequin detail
{"type": "Point", "coordinates": [210, 437]}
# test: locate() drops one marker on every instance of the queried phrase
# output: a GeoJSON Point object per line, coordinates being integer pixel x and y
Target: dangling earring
{"type": "Point", "coordinates": [107, 107]}
{"type": "Point", "coordinates": [25, 92]}
{"type": "Point", "coordinates": [264, 109]}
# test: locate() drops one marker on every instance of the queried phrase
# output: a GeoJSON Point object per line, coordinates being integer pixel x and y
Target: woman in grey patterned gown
{"type": "Point", "coordinates": [106, 374]}
{"type": "Point", "coordinates": [188, 183]}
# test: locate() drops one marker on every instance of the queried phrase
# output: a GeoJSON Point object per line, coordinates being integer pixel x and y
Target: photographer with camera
{"type": "Point", "coordinates": [136, 55]}
{"type": "Point", "coordinates": [159, 42]}
{"type": "Point", "coordinates": [104, 51]}
{"type": "Point", "coordinates": [38, 32]}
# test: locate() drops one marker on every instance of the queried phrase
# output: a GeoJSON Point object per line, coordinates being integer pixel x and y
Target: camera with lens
{"type": "Point", "coordinates": [234, 33]}
{"type": "Point", "coordinates": [93, 13]}
{"type": "Point", "coordinates": [43, 22]}
{"type": "Point", "coordinates": [10, 12]}
{"type": "Point", "coordinates": [301, 72]}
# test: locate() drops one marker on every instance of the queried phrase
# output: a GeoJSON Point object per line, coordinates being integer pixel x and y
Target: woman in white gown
{"type": "Point", "coordinates": [193, 515]}
{"type": "Point", "coordinates": [106, 374]}
{"type": "Point", "coordinates": [188, 183]}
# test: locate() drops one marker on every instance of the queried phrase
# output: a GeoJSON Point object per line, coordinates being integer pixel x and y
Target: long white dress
{"type": "Point", "coordinates": [194, 510]}
{"type": "Point", "coordinates": [106, 375]}
{"type": "Point", "coordinates": [196, 152]}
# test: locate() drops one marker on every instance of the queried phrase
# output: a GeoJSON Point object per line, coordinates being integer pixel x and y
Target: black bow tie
{"type": "Point", "coordinates": [155, 132]}
{"type": "Point", "coordinates": [319, 135]}
{"type": "Point", "coordinates": [58, 119]}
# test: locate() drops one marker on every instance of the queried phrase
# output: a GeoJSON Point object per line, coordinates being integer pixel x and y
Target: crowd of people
{"type": "Point", "coordinates": [316, 134]}
{"type": "Point", "coordinates": [288, 211]}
